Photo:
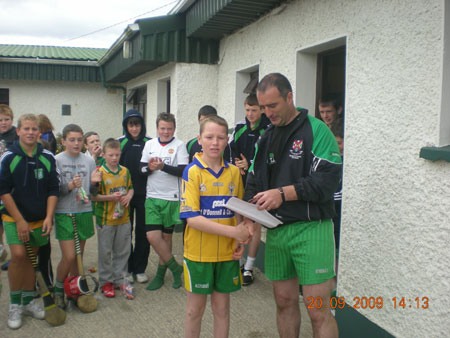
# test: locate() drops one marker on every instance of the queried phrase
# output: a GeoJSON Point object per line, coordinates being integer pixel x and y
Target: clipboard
{"type": "Point", "coordinates": [251, 211]}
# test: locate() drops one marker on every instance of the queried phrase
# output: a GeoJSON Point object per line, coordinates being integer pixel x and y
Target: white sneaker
{"type": "Point", "coordinates": [129, 278]}
{"type": "Point", "coordinates": [34, 309]}
{"type": "Point", "coordinates": [142, 278]}
{"type": "Point", "coordinates": [3, 253]}
{"type": "Point", "coordinates": [15, 316]}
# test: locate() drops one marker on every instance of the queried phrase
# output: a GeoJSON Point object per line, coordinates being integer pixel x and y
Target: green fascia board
{"type": "Point", "coordinates": [52, 52]}
{"type": "Point", "coordinates": [435, 153]}
{"type": "Point", "coordinates": [227, 15]}
{"type": "Point", "coordinates": [160, 40]}
{"type": "Point", "coordinates": [48, 72]}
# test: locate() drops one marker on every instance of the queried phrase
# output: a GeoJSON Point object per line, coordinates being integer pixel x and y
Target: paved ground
{"type": "Point", "coordinates": [153, 313]}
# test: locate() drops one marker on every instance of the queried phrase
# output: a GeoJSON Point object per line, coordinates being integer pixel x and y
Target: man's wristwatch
{"type": "Point", "coordinates": [283, 198]}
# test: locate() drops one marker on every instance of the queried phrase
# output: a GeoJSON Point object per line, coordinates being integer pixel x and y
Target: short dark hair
{"type": "Point", "coordinates": [89, 134]}
{"type": "Point", "coordinates": [71, 128]}
{"type": "Point", "coordinates": [252, 100]}
{"type": "Point", "coordinates": [276, 80]}
{"type": "Point", "coordinates": [337, 127]}
{"type": "Point", "coordinates": [166, 117]}
{"type": "Point", "coordinates": [331, 100]}
{"type": "Point", "coordinates": [207, 111]}
{"type": "Point", "coordinates": [111, 143]}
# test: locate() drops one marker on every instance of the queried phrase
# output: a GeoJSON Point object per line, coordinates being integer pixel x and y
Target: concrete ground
{"type": "Point", "coordinates": [153, 313]}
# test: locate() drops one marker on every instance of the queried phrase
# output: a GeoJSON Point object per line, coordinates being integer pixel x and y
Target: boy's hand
{"type": "Point", "coordinates": [242, 233]}
{"type": "Point", "coordinates": [238, 251]}
{"type": "Point", "coordinates": [76, 181]}
{"type": "Point", "coordinates": [23, 230]}
{"type": "Point", "coordinates": [97, 151]}
{"type": "Point", "coordinates": [116, 196]}
{"type": "Point", "coordinates": [155, 163]}
{"type": "Point", "coordinates": [125, 200]}
{"type": "Point", "coordinates": [250, 225]}
{"type": "Point", "coordinates": [96, 176]}
{"type": "Point", "coordinates": [47, 226]}
{"type": "Point", "coordinates": [242, 164]}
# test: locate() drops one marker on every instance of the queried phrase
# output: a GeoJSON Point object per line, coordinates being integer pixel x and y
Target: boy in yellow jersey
{"type": "Point", "coordinates": [212, 242]}
{"type": "Point", "coordinates": [113, 219]}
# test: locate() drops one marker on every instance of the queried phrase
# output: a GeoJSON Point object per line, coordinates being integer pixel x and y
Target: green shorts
{"type": "Point", "coordinates": [36, 238]}
{"type": "Point", "coordinates": [64, 227]}
{"type": "Point", "coordinates": [204, 278]}
{"type": "Point", "coordinates": [302, 249]}
{"type": "Point", "coordinates": [162, 212]}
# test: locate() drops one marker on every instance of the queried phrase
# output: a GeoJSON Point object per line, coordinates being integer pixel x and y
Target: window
{"type": "Point", "coordinates": [66, 110]}
{"type": "Point", "coordinates": [138, 98]}
{"type": "Point", "coordinates": [4, 96]}
{"type": "Point", "coordinates": [246, 83]}
{"type": "Point", "coordinates": [163, 89]}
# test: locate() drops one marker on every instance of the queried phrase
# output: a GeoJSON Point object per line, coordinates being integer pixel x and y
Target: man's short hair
{"type": "Point", "coordinates": [276, 80]}
{"type": "Point", "coordinates": [252, 100]}
{"type": "Point", "coordinates": [111, 143]}
{"type": "Point", "coordinates": [27, 117]}
{"type": "Point", "coordinates": [6, 110]}
{"type": "Point", "coordinates": [89, 134]}
{"type": "Point", "coordinates": [337, 127]}
{"type": "Point", "coordinates": [331, 100]}
{"type": "Point", "coordinates": [71, 128]}
{"type": "Point", "coordinates": [207, 111]}
{"type": "Point", "coordinates": [217, 120]}
{"type": "Point", "coordinates": [166, 117]}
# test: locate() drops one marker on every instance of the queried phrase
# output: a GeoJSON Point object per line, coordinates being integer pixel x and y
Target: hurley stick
{"type": "Point", "coordinates": [54, 315]}
{"type": "Point", "coordinates": [87, 302]}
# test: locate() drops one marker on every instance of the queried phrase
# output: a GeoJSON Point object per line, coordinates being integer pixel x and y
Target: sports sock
{"type": "Point", "coordinates": [249, 263]}
{"type": "Point", "coordinates": [27, 296]}
{"type": "Point", "coordinates": [59, 287]}
{"type": "Point", "coordinates": [158, 280]}
{"type": "Point", "coordinates": [177, 270]}
{"type": "Point", "coordinates": [15, 297]}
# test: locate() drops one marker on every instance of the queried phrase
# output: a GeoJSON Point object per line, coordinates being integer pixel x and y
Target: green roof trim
{"type": "Point", "coordinates": [52, 52]}
{"type": "Point", "coordinates": [435, 153]}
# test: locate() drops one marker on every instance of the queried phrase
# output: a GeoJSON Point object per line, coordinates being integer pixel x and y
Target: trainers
{"type": "Point", "coordinates": [34, 309]}
{"type": "Point", "coordinates": [247, 277]}
{"type": "Point", "coordinates": [59, 300]}
{"type": "Point", "coordinates": [141, 278]}
{"type": "Point", "coordinates": [15, 316]}
{"type": "Point", "coordinates": [129, 278]}
{"type": "Point", "coordinates": [108, 290]}
{"type": "Point", "coordinates": [3, 253]}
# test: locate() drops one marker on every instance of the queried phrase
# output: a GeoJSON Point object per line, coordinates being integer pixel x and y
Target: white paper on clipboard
{"type": "Point", "coordinates": [251, 211]}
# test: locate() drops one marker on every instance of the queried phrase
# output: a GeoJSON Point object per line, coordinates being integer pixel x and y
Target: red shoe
{"type": "Point", "coordinates": [108, 290]}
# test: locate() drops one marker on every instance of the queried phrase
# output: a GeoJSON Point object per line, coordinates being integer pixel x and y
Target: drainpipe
{"type": "Point", "coordinates": [124, 90]}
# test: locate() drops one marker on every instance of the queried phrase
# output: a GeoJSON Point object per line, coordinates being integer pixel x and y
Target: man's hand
{"type": "Point", "coordinates": [268, 200]}
{"type": "Point", "coordinates": [23, 230]}
{"type": "Point", "coordinates": [47, 226]}
{"type": "Point", "coordinates": [242, 164]}
{"type": "Point", "coordinates": [96, 177]}
{"type": "Point", "coordinates": [155, 163]}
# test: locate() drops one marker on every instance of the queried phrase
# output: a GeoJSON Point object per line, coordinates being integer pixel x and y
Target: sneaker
{"type": "Point", "coordinates": [141, 278]}
{"type": "Point", "coordinates": [5, 266]}
{"type": "Point", "coordinates": [3, 253]}
{"type": "Point", "coordinates": [34, 309]}
{"type": "Point", "coordinates": [59, 300]}
{"type": "Point", "coordinates": [247, 277]}
{"type": "Point", "coordinates": [130, 278]}
{"type": "Point", "coordinates": [15, 316]}
{"type": "Point", "coordinates": [108, 290]}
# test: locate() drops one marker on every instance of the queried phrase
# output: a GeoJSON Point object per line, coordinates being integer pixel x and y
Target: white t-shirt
{"type": "Point", "coordinates": [159, 183]}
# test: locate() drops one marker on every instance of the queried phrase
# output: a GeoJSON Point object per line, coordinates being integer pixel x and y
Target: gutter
{"type": "Point", "coordinates": [124, 90]}
{"type": "Point", "coordinates": [89, 63]}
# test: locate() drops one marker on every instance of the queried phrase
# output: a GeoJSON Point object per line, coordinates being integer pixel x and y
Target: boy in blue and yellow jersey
{"type": "Point", "coordinates": [29, 190]}
{"type": "Point", "coordinates": [212, 243]}
{"type": "Point", "coordinates": [113, 219]}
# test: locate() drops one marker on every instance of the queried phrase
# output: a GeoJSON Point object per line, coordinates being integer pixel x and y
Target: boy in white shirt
{"type": "Point", "coordinates": [163, 160]}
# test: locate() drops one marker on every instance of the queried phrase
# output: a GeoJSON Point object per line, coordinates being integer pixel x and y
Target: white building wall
{"type": "Point", "coordinates": [93, 107]}
{"type": "Point", "coordinates": [192, 86]}
{"type": "Point", "coordinates": [395, 224]}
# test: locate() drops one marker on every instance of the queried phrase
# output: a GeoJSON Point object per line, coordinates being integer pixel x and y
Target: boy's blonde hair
{"type": "Point", "coordinates": [215, 119]}
{"type": "Point", "coordinates": [111, 143]}
{"type": "Point", "coordinates": [5, 110]}
{"type": "Point", "coordinates": [27, 117]}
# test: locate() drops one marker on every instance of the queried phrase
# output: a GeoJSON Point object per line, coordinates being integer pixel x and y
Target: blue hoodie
{"type": "Point", "coordinates": [132, 153]}
{"type": "Point", "coordinates": [29, 180]}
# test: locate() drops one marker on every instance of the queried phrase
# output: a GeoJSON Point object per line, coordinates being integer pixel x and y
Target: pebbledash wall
{"type": "Point", "coordinates": [396, 210]}
{"type": "Point", "coordinates": [192, 86]}
{"type": "Point", "coordinates": [92, 106]}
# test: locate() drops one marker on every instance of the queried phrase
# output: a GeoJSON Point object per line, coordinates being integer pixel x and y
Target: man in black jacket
{"type": "Point", "coordinates": [131, 145]}
{"type": "Point", "coordinates": [294, 175]}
